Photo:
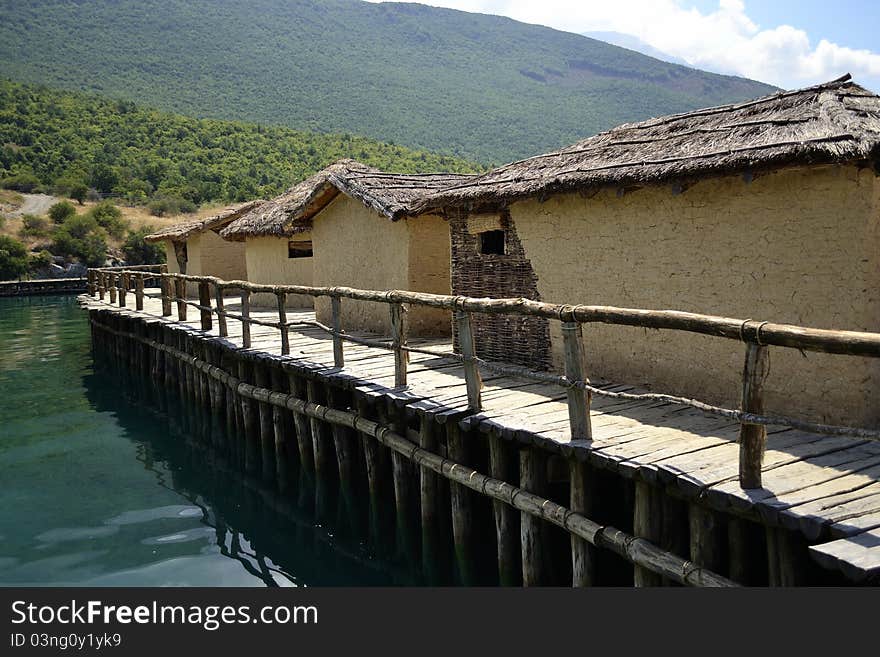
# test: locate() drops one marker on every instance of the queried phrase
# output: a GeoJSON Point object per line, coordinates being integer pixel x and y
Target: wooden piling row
{"type": "Point", "coordinates": [416, 501]}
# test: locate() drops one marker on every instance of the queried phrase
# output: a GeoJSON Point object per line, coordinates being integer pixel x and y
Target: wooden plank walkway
{"type": "Point", "coordinates": [826, 487]}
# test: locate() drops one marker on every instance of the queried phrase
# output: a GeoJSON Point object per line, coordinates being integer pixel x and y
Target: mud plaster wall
{"type": "Point", "coordinates": [268, 263]}
{"type": "Point", "coordinates": [798, 246]}
{"type": "Point", "coordinates": [357, 247]}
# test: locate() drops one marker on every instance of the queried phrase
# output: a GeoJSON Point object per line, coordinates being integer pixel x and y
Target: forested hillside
{"type": "Point", "coordinates": [62, 139]}
{"type": "Point", "coordinates": [482, 87]}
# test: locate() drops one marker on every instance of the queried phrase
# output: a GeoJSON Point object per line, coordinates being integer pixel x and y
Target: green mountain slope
{"type": "Point", "coordinates": [118, 147]}
{"type": "Point", "coordinates": [478, 86]}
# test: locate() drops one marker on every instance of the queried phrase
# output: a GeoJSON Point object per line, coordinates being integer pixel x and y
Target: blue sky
{"type": "Point", "coordinates": [788, 43]}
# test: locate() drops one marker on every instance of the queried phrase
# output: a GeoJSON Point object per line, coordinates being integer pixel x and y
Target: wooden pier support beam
{"type": "Point", "coordinates": [583, 500]}
{"type": "Point", "coordinates": [708, 539]}
{"type": "Point", "coordinates": [504, 465]}
{"type": "Point", "coordinates": [647, 524]}
{"type": "Point", "coordinates": [787, 558]}
{"type": "Point", "coordinates": [433, 504]}
{"type": "Point", "coordinates": [322, 438]}
{"type": "Point", "coordinates": [461, 502]}
{"type": "Point", "coordinates": [280, 428]}
{"type": "Point", "coordinates": [267, 431]}
{"type": "Point", "coordinates": [297, 387]}
{"type": "Point", "coordinates": [533, 478]}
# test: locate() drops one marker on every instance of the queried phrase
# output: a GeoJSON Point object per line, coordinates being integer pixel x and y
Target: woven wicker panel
{"type": "Point", "coordinates": [508, 338]}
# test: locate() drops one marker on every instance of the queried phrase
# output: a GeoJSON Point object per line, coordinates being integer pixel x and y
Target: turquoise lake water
{"type": "Point", "coordinates": [97, 489]}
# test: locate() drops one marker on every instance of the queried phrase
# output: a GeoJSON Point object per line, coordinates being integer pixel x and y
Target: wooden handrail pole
{"type": "Point", "coordinates": [472, 378]}
{"type": "Point", "coordinates": [139, 291]}
{"type": "Point", "coordinates": [123, 288]}
{"type": "Point", "coordinates": [578, 398]}
{"type": "Point", "coordinates": [102, 284]}
{"type": "Point", "coordinates": [245, 318]}
{"type": "Point", "coordinates": [753, 437]}
{"type": "Point", "coordinates": [90, 276]}
{"type": "Point", "coordinates": [398, 342]}
{"type": "Point", "coordinates": [205, 303]}
{"type": "Point", "coordinates": [166, 289]}
{"type": "Point", "coordinates": [221, 317]}
{"type": "Point", "coordinates": [336, 325]}
{"type": "Point", "coordinates": [111, 286]}
{"type": "Point", "coordinates": [282, 323]}
{"type": "Point", "coordinates": [180, 293]}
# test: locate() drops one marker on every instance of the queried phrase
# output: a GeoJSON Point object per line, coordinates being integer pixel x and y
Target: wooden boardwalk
{"type": "Point", "coordinates": [827, 488]}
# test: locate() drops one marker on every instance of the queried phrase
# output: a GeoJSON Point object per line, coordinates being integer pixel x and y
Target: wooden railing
{"type": "Point", "coordinates": [758, 338]}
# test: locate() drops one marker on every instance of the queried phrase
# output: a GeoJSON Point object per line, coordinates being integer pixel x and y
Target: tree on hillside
{"type": "Point", "coordinates": [139, 252]}
{"type": "Point", "coordinates": [61, 211]}
{"type": "Point", "coordinates": [13, 258]}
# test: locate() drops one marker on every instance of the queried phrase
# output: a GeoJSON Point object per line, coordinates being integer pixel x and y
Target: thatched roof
{"type": "Point", "coordinates": [390, 194]}
{"type": "Point", "coordinates": [834, 122]}
{"type": "Point", "coordinates": [182, 231]}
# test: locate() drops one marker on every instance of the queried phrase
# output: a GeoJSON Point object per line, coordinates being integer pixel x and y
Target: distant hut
{"type": "Point", "coordinates": [350, 225]}
{"type": "Point", "coordinates": [766, 209]}
{"type": "Point", "coordinates": [195, 248]}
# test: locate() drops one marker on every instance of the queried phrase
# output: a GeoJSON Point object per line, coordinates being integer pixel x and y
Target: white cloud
{"type": "Point", "coordinates": [725, 40]}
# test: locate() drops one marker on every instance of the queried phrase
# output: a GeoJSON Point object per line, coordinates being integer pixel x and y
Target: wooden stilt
{"type": "Point", "coordinates": [707, 538]}
{"type": "Point", "coordinates": [280, 429]}
{"type": "Point", "coordinates": [433, 505]}
{"type": "Point", "coordinates": [462, 507]}
{"type": "Point", "coordinates": [647, 524]}
{"type": "Point", "coordinates": [787, 558]}
{"type": "Point", "coordinates": [583, 499]}
{"type": "Point", "coordinates": [322, 439]}
{"type": "Point", "coordinates": [297, 388]}
{"type": "Point", "coordinates": [267, 433]}
{"type": "Point", "coordinates": [533, 478]}
{"type": "Point", "coordinates": [504, 465]}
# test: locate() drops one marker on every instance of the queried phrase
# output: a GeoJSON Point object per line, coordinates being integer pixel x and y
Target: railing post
{"type": "Point", "coordinates": [753, 437]}
{"type": "Point", "coordinates": [205, 303]}
{"type": "Point", "coordinates": [336, 325]}
{"type": "Point", "coordinates": [245, 318]}
{"type": "Point", "coordinates": [166, 289]}
{"type": "Point", "coordinates": [180, 293]}
{"type": "Point", "coordinates": [111, 285]}
{"type": "Point", "coordinates": [102, 284]}
{"type": "Point", "coordinates": [139, 291]}
{"type": "Point", "coordinates": [578, 398]}
{"type": "Point", "coordinates": [282, 323]}
{"type": "Point", "coordinates": [123, 288]}
{"type": "Point", "coordinates": [398, 342]}
{"type": "Point", "coordinates": [472, 378]}
{"type": "Point", "coordinates": [91, 282]}
{"type": "Point", "coordinates": [221, 311]}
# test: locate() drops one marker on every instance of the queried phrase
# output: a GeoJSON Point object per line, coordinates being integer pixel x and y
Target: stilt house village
{"type": "Point", "coordinates": [768, 208]}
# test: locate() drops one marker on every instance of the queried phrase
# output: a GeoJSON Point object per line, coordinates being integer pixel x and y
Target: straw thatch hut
{"type": "Point", "coordinates": [195, 248]}
{"type": "Point", "coordinates": [353, 221]}
{"type": "Point", "coordinates": [767, 209]}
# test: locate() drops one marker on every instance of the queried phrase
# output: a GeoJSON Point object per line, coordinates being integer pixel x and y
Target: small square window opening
{"type": "Point", "coordinates": [299, 249]}
{"type": "Point", "coordinates": [492, 242]}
